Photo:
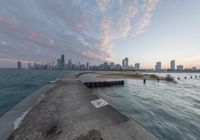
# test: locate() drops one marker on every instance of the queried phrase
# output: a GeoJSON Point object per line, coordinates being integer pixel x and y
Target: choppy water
{"type": "Point", "coordinates": [15, 84]}
{"type": "Point", "coordinates": [169, 111]}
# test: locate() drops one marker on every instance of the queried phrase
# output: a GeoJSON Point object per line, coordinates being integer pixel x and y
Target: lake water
{"type": "Point", "coordinates": [170, 111]}
{"type": "Point", "coordinates": [15, 84]}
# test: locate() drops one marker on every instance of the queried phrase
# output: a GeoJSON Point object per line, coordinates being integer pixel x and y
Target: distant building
{"type": "Point", "coordinates": [52, 63]}
{"type": "Point", "coordinates": [112, 66]}
{"type": "Point", "coordinates": [62, 61]}
{"type": "Point", "coordinates": [158, 66]}
{"type": "Point", "coordinates": [137, 66]}
{"type": "Point", "coordinates": [58, 63]}
{"type": "Point", "coordinates": [118, 67]}
{"type": "Point", "coordinates": [194, 68]}
{"type": "Point", "coordinates": [70, 64]}
{"type": "Point", "coordinates": [87, 65]}
{"type": "Point", "coordinates": [172, 65]}
{"type": "Point", "coordinates": [180, 68]}
{"type": "Point", "coordinates": [29, 66]}
{"type": "Point", "coordinates": [125, 65]}
{"type": "Point", "coordinates": [104, 66]}
{"type": "Point", "coordinates": [19, 65]}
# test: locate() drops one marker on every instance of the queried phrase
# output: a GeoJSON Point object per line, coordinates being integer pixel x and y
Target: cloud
{"type": "Point", "coordinates": [193, 59]}
{"type": "Point", "coordinates": [84, 30]}
{"type": "Point", "coordinates": [148, 8]}
{"type": "Point", "coordinates": [103, 5]}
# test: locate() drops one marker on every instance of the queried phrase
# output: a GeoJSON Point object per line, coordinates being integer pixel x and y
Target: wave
{"type": "Point", "coordinates": [18, 121]}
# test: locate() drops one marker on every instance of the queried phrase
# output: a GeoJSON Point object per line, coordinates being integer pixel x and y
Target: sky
{"type": "Point", "coordinates": [145, 31]}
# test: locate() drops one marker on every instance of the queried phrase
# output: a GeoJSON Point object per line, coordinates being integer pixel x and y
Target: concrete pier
{"type": "Point", "coordinates": [66, 113]}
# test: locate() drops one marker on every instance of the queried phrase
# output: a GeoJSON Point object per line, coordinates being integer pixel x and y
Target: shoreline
{"type": "Point", "coordinates": [13, 118]}
{"type": "Point", "coordinates": [66, 113]}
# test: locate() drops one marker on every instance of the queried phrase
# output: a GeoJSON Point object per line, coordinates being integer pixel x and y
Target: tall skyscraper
{"type": "Point", "coordinates": [19, 65]}
{"type": "Point", "coordinates": [172, 65]}
{"type": "Point", "coordinates": [62, 61]}
{"type": "Point", "coordinates": [158, 66]}
{"type": "Point", "coordinates": [125, 65]}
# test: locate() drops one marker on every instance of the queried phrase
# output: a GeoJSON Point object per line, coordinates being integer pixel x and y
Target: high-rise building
{"type": "Point", "coordinates": [59, 64]}
{"type": "Point", "coordinates": [62, 61]}
{"type": "Point", "coordinates": [87, 65]}
{"type": "Point", "coordinates": [125, 65]}
{"type": "Point", "coordinates": [172, 65]}
{"type": "Point", "coordinates": [112, 66]}
{"type": "Point", "coordinates": [19, 65]}
{"type": "Point", "coordinates": [137, 66]}
{"type": "Point", "coordinates": [180, 67]}
{"type": "Point", "coordinates": [70, 64]}
{"type": "Point", "coordinates": [158, 66]}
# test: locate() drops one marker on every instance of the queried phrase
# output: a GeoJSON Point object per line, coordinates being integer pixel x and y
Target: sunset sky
{"type": "Point", "coordinates": [146, 31]}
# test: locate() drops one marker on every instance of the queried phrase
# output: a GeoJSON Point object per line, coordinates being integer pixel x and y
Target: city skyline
{"type": "Point", "coordinates": [145, 31]}
{"type": "Point", "coordinates": [68, 64]}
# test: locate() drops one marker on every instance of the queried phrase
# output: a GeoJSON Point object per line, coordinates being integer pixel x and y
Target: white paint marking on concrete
{"type": "Point", "coordinates": [99, 103]}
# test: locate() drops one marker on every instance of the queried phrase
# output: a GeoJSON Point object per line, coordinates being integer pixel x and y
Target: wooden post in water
{"type": "Point", "coordinates": [185, 77]}
{"type": "Point", "coordinates": [144, 81]}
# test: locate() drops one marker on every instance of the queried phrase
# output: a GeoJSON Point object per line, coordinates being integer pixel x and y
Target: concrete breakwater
{"type": "Point", "coordinates": [103, 83]}
{"type": "Point", "coordinates": [66, 113]}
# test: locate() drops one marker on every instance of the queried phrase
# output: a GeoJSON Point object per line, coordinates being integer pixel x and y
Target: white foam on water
{"type": "Point", "coordinates": [18, 121]}
{"type": "Point", "coordinates": [53, 82]}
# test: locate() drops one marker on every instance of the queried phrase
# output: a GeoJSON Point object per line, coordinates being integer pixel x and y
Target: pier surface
{"type": "Point", "coordinates": [66, 113]}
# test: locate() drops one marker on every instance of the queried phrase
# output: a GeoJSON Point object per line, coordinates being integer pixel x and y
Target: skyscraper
{"type": "Point", "coordinates": [137, 66]}
{"type": "Point", "coordinates": [172, 65]}
{"type": "Point", "coordinates": [19, 65]}
{"type": "Point", "coordinates": [87, 65]}
{"type": "Point", "coordinates": [158, 66]}
{"type": "Point", "coordinates": [59, 64]}
{"type": "Point", "coordinates": [62, 61]}
{"type": "Point", "coordinates": [70, 64]}
{"type": "Point", "coordinates": [125, 65]}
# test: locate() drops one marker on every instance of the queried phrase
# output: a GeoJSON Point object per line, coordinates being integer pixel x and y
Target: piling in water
{"type": "Point", "coordinates": [144, 81]}
{"type": "Point", "coordinates": [185, 77]}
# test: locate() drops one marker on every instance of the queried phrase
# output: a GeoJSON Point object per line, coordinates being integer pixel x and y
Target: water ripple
{"type": "Point", "coordinates": [169, 111]}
